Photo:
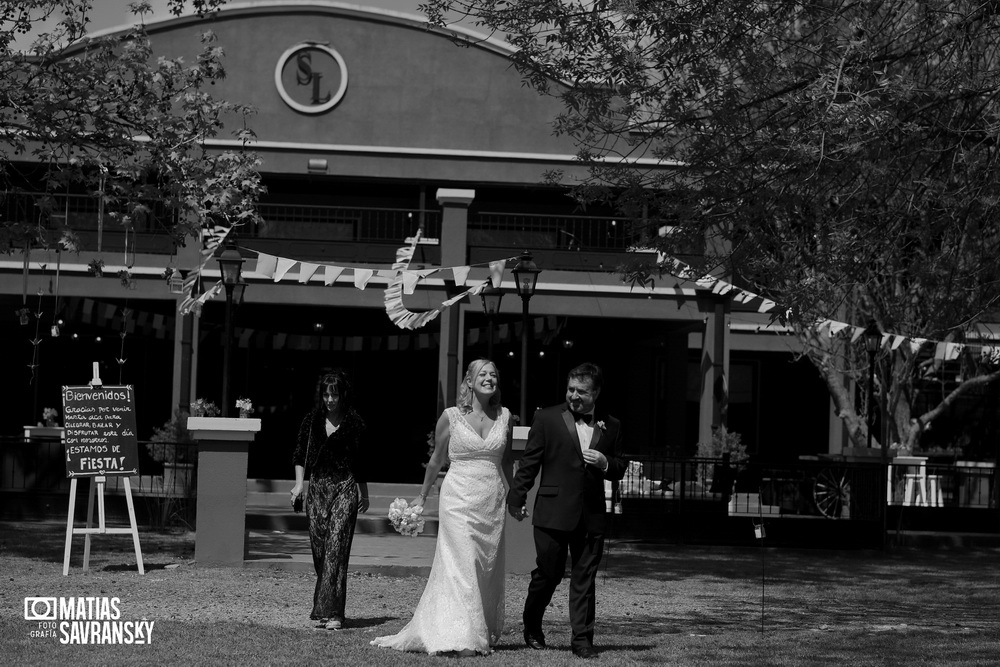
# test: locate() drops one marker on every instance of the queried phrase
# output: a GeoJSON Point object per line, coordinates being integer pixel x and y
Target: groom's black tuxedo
{"type": "Point", "coordinates": [569, 488]}
{"type": "Point", "coordinates": [569, 512]}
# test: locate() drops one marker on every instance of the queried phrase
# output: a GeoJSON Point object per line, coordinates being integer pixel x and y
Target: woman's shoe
{"type": "Point", "coordinates": [334, 624]}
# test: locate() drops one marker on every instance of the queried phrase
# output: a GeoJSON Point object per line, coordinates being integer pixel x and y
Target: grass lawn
{"type": "Point", "coordinates": [657, 605]}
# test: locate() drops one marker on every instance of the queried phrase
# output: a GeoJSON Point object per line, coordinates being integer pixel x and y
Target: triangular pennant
{"type": "Point", "coordinates": [331, 274]}
{"type": "Point", "coordinates": [284, 264]}
{"type": "Point", "coordinates": [266, 265]}
{"type": "Point", "coordinates": [361, 277]}
{"type": "Point", "coordinates": [410, 279]}
{"type": "Point", "coordinates": [306, 271]}
{"type": "Point", "coordinates": [496, 272]}
{"type": "Point", "coordinates": [461, 274]}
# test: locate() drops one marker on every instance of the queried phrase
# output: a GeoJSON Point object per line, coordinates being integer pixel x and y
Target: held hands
{"type": "Point", "coordinates": [518, 513]}
{"type": "Point", "coordinates": [595, 458]}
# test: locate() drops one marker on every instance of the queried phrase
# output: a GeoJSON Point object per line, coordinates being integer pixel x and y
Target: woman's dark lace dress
{"type": "Point", "coordinates": [331, 504]}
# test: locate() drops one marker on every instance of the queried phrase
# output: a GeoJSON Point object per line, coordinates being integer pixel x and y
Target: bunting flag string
{"type": "Point", "coordinates": [402, 280]}
{"type": "Point", "coordinates": [943, 350]}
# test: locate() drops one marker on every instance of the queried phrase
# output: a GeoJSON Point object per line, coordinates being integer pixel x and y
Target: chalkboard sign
{"type": "Point", "coordinates": [100, 431]}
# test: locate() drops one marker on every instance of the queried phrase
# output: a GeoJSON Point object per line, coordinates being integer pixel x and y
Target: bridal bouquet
{"type": "Point", "coordinates": [405, 519]}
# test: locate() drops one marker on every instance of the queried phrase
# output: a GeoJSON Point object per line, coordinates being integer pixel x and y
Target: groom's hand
{"type": "Point", "coordinates": [518, 513]}
{"type": "Point", "coordinates": [595, 458]}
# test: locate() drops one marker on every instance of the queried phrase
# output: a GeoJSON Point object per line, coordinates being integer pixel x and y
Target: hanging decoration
{"type": "Point", "coordinates": [943, 350]}
{"type": "Point", "coordinates": [126, 313]}
{"type": "Point", "coordinates": [37, 340]}
{"type": "Point", "coordinates": [402, 280]}
{"type": "Point", "coordinates": [211, 238]}
{"type": "Point", "coordinates": [54, 329]}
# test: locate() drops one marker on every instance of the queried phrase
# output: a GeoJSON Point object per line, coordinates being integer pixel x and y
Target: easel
{"type": "Point", "coordinates": [97, 491]}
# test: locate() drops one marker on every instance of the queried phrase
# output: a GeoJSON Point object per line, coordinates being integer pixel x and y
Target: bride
{"type": "Point", "coordinates": [462, 608]}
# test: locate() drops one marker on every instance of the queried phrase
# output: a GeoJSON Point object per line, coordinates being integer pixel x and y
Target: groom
{"type": "Point", "coordinates": [577, 448]}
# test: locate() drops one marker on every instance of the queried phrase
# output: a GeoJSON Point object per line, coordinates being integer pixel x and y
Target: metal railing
{"type": "Point", "coordinates": [830, 488]}
{"type": "Point", "coordinates": [562, 232]}
{"type": "Point", "coordinates": [38, 464]}
{"type": "Point", "coordinates": [83, 212]}
{"type": "Point", "coordinates": [340, 223]}
{"type": "Point", "coordinates": [969, 484]}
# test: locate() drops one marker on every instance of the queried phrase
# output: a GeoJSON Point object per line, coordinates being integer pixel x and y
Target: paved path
{"type": "Point", "coordinates": [279, 538]}
{"type": "Point", "coordinates": [388, 553]}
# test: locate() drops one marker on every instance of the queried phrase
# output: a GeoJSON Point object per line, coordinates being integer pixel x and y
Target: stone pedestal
{"type": "Point", "coordinates": [223, 449]}
{"type": "Point", "coordinates": [519, 536]}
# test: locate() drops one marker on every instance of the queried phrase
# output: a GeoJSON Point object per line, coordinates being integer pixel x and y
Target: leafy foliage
{"type": "Point", "coordinates": [723, 442]}
{"type": "Point", "coordinates": [105, 116]}
{"type": "Point", "coordinates": [840, 158]}
{"type": "Point", "coordinates": [162, 446]}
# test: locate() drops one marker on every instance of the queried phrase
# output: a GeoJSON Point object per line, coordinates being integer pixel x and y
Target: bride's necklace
{"type": "Point", "coordinates": [481, 416]}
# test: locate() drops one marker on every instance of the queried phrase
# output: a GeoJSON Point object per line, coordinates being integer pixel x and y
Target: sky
{"type": "Point", "coordinates": [114, 13]}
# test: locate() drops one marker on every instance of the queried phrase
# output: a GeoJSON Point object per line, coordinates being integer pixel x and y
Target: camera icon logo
{"type": "Point", "coordinates": [40, 609]}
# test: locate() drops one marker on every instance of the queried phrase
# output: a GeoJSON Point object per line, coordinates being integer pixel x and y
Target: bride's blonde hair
{"type": "Point", "coordinates": [465, 393]}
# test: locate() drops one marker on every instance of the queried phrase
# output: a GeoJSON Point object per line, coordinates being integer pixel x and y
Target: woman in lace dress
{"type": "Point", "coordinates": [328, 450]}
{"type": "Point", "coordinates": [462, 608]}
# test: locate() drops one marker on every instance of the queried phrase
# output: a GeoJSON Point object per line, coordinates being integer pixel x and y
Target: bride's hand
{"type": "Point", "coordinates": [419, 500]}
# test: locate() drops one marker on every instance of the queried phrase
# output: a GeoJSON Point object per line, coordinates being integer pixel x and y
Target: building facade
{"type": "Point", "coordinates": [377, 133]}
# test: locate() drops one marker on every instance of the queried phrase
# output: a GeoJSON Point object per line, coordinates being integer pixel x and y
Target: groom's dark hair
{"type": "Point", "coordinates": [587, 370]}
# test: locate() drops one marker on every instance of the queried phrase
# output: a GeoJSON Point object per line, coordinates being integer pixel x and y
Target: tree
{"type": "Point", "coordinates": [840, 158]}
{"type": "Point", "coordinates": [103, 116]}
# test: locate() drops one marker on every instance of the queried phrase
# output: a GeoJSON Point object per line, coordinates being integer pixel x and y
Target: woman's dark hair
{"type": "Point", "coordinates": [340, 381]}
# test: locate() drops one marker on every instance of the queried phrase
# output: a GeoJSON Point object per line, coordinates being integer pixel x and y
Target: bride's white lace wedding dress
{"type": "Point", "coordinates": [462, 606]}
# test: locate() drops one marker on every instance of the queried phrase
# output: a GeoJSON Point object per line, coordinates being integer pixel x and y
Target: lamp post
{"type": "Point", "coordinates": [873, 341]}
{"type": "Point", "coordinates": [491, 297]}
{"type": "Point", "coordinates": [525, 279]}
{"type": "Point", "coordinates": [231, 267]}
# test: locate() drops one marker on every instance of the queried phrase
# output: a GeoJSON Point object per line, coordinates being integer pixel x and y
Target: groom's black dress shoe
{"type": "Point", "coordinates": [585, 652]}
{"type": "Point", "coordinates": [536, 642]}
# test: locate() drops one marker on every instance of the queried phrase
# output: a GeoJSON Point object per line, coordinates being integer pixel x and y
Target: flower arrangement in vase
{"type": "Point", "coordinates": [49, 416]}
{"type": "Point", "coordinates": [245, 406]}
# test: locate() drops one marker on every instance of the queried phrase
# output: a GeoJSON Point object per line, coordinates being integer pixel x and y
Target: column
{"type": "Point", "coordinates": [714, 370]}
{"type": "Point", "coordinates": [223, 449]}
{"type": "Point", "coordinates": [454, 252]}
{"type": "Point", "coordinates": [519, 536]}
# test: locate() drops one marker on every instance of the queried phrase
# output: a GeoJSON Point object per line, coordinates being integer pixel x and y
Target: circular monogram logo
{"type": "Point", "coordinates": [311, 77]}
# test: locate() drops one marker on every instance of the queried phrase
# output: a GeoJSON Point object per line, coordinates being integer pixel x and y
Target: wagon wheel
{"type": "Point", "coordinates": [832, 492]}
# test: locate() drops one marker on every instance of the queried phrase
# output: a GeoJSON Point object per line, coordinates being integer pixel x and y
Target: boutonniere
{"type": "Point", "coordinates": [600, 425]}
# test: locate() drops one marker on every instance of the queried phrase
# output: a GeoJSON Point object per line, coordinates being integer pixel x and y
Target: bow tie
{"type": "Point", "coordinates": [587, 418]}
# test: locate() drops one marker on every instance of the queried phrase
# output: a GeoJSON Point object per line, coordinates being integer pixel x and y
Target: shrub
{"type": "Point", "coordinates": [724, 442]}
{"type": "Point", "coordinates": [162, 446]}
